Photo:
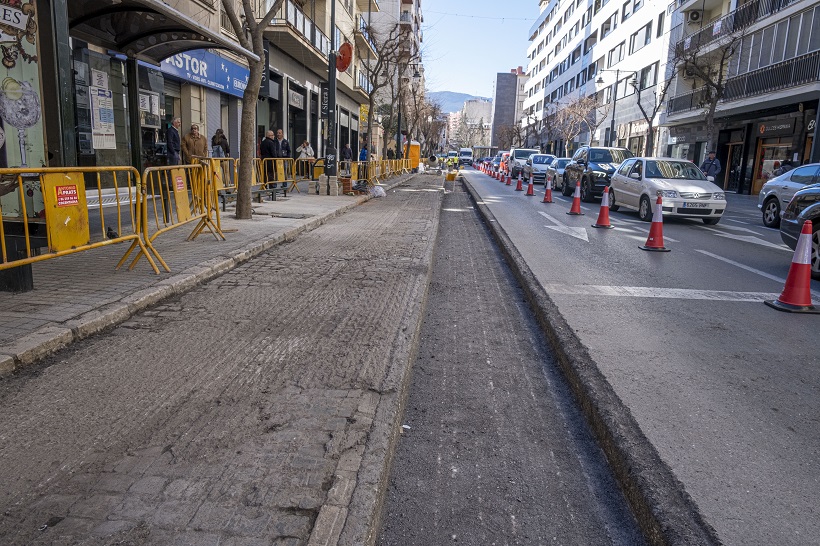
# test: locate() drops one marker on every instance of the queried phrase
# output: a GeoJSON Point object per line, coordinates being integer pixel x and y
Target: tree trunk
{"type": "Point", "coordinates": [247, 151]}
{"type": "Point", "coordinates": [649, 148]}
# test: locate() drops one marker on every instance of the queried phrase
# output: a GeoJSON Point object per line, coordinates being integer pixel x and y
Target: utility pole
{"type": "Point", "coordinates": [330, 151]}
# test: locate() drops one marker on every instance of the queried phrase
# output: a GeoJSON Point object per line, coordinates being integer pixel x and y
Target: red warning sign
{"type": "Point", "coordinates": [180, 183]}
{"type": "Point", "coordinates": [67, 196]}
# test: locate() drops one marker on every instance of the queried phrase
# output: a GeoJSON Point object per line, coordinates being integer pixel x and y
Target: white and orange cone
{"type": "Point", "coordinates": [509, 181]}
{"type": "Point", "coordinates": [575, 209]}
{"type": "Point", "coordinates": [603, 215]}
{"type": "Point", "coordinates": [530, 188]}
{"type": "Point", "coordinates": [655, 240]}
{"type": "Point", "coordinates": [519, 186]}
{"type": "Point", "coordinates": [796, 296]}
{"type": "Point", "coordinates": [548, 192]}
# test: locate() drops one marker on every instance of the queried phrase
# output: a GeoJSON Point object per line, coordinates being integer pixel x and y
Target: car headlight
{"type": "Point", "coordinates": [600, 174]}
{"type": "Point", "coordinates": [720, 196]}
{"type": "Point", "coordinates": [671, 194]}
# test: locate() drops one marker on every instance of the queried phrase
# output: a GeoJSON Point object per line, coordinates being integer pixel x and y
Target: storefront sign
{"type": "Point", "coordinates": [296, 99]}
{"type": "Point", "coordinates": [324, 99]}
{"type": "Point", "coordinates": [364, 111]}
{"type": "Point", "coordinates": [208, 70]}
{"type": "Point", "coordinates": [639, 127]}
{"type": "Point", "coordinates": [776, 128]}
{"type": "Point", "coordinates": [67, 196]}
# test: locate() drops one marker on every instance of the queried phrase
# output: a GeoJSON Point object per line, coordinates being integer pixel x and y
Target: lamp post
{"type": "Point", "coordinates": [600, 81]}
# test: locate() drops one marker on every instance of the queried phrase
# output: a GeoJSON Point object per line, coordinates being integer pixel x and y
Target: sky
{"type": "Point", "coordinates": [467, 42]}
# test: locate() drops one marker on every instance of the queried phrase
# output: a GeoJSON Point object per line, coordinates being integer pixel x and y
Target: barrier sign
{"type": "Point", "coordinates": [67, 196]}
{"type": "Point", "coordinates": [66, 211]}
{"type": "Point", "coordinates": [180, 182]}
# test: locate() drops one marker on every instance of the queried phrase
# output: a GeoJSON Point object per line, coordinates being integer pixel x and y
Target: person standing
{"type": "Point", "coordinates": [305, 150]}
{"type": "Point", "coordinates": [267, 150]}
{"type": "Point", "coordinates": [711, 166]}
{"type": "Point", "coordinates": [193, 145]}
{"type": "Point", "coordinates": [391, 155]}
{"type": "Point", "coordinates": [281, 145]}
{"type": "Point", "coordinates": [173, 142]}
{"type": "Point", "coordinates": [220, 147]}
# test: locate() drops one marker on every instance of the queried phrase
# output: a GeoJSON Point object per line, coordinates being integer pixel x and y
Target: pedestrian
{"type": "Point", "coordinates": [173, 142]}
{"type": "Point", "coordinates": [193, 145]}
{"type": "Point", "coordinates": [268, 152]}
{"type": "Point", "coordinates": [711, 166]}
{"type": "Point", "coordinates": [220, 147]}
{"type": "Point", "coordinates": [363, 153]}
{"type": "Point", "coordinates": [363, 163]}
{"type": "Point", "coordinates": [305, 150]}
{"type": "Point", "coordinates": [347, 157]}
{"type": "Point", "coordinates": [281, 145]}
{"type": "Point", "coordinates": [391, 155]}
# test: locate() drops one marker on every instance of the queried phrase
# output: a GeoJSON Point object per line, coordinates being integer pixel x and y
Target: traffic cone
{"type": "Point", "coordinates": [575, 209]}
{"type": "Point", "coordinates": [796, 296]}
{"type": "Point", "coordinates": [548, 192]}
{"type": "Point", "coordinates": [509, 181]}
{"type": "Point", "coordinates": [530, 189]}
{"type": "Point", "coordinates": [519, 186]}
{"type": "Point", "coordinates": [603, 215]}
{"type": "Point", "coordinates": [655, 240]}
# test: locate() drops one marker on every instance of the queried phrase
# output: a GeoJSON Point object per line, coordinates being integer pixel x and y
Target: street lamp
{"type": "Point", "coordinates": [600, 81]}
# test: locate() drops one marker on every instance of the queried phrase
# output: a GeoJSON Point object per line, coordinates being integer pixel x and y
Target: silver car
{"type": "Point", "coordinates": [777, 192]}
{"type": "Point", "coordinates": [536, 166]}
{"type": "Point", "coordinates": [555, 172]}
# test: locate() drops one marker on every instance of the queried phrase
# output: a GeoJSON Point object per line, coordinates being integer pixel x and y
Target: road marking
{"type": "Point", "coordinates": [748, 239]}
{"type": "Point", "coordinates": [577, 232]}
{"type": "Point", "coordinates": [665, 238]}
{"type": "Point", "coordinates": [738, 221]}
{"type": "Point", "coordinates": [662, 293]}
{"type": "Point", "coordinates": [743, 229]}
{"type": "Point", "coordinates": [780, 280]}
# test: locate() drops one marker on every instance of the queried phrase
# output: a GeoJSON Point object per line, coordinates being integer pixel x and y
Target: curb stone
{"type": "Point", "coordinates": [48, 339]}
{"type": "Point", "coordinates": [665, 512]}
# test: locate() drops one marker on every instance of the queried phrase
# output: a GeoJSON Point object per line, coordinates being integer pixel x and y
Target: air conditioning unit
{"type": "Point", "coordinates": [694, 16]}
{"type": "Point", "coordinates": [688, 73]}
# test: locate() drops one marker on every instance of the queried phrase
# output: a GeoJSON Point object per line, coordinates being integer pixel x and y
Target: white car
{"type": "Point", "coordinates": [777, 192]}
{"type": "Point", "coordinates": [686, 192]}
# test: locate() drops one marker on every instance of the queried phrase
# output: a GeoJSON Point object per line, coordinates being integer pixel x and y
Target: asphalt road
{"type": "Point", "coordinates": [724, 387]}
{"type": "Point", "coordinates": [494, 450]}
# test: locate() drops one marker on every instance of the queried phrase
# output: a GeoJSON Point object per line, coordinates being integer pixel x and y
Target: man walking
{"type": "Point", "coordinates": [173, 143]}
{"type": "Point", "coordinates": [194, 145]}
{"type": "Point", "coordinates": [711, 166]}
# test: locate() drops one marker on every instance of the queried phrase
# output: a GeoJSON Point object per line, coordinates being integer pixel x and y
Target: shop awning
{"type": "Point", "coordinates": [148, 30]}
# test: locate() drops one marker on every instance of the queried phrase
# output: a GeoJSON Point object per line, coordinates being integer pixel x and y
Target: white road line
{"type": "Point", "coordinates": [780, 280]}
{"type": "Point", "coordinates": [738, 221]}
{"type": "Point", "coordinates": [749, 239]}
{"type": "Point", "coordinates": [665, 238]}
{"type": "Point", "coordinates": [662, 293]}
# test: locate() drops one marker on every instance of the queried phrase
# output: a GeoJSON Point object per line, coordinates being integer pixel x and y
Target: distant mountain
{"type": "Point", "coordinates": [450, 101]}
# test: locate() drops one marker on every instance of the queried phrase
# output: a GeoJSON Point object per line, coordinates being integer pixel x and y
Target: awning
{"type": "Point", "coordinates": [148, 30]}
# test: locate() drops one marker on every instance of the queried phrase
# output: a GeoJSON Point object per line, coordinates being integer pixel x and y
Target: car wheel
{"type": "Point", "coordinates": [586, 191]}
{"type": "Point", "coordinates": [815, 252]}
{"type": "Point", "coordinates": [613, 206]}
{"type": "Point", "coordinates": [645, 209]}
{"type": "Point", "coordinates": [771, 213]}
{"type": "Point", "coordinates": [566, 189]}
{"type": "Point", "coordinates": [710, 221]}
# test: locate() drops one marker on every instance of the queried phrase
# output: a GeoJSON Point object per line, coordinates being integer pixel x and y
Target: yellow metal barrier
{"type": "Point", "coordinates": [65, 218]}
{"type": "Point", "coordinates": [302, 170]}
{"type": "Point", "coordinates": [223, 172]}
{"type": "Point", "coordinates": [272, 171]}
{"type": "Point", "coordinates": [178, 195]}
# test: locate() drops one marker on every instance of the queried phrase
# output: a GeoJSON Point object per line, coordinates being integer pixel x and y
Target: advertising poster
{"type": "Point", "coordinates": [21, 125]}
{"type": "Point", "coordinates": [103, 135]}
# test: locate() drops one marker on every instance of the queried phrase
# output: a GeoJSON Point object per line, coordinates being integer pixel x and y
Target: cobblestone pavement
{"type": "Point", "coordinates": [259, 408]}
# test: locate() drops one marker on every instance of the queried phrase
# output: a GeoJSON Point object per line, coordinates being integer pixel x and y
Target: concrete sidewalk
{"type": "Point", "coordinates": [78, 295]}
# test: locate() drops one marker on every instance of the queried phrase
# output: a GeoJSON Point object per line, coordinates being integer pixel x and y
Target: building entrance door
{"type": "Point", "coordinates": [733, 175]}
{"type": "Point", "coordinates": [771, 153]}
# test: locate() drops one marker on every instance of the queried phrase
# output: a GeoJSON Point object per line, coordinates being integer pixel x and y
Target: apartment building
{"type": "Point", "coordinates": [768, 112]}
{"type": "Point", "coordinates": [582, 47]}
{"type": "Point", "coordinates": [508, 101]}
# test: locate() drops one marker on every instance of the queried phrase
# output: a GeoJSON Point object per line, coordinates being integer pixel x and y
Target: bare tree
{"type": "Point", "coordinates": [598, 114]}
{"type": "Point", "coordinates": [249, 32]}
{"type": "Point", "coordinates": [571, 116]}
{"type": "Point", "coordinates": [510, 136]}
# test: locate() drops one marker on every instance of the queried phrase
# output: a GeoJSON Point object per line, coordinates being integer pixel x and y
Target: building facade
{"type": "Point", "coordinates": [767, 112]}
{"type": "Point", "coordinates": [614, 51]}
{"type": "Point", "coordinates": [508, 103]}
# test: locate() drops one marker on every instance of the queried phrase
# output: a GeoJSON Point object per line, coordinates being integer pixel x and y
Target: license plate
{"type": "Point", "coordinates": [695, 205]}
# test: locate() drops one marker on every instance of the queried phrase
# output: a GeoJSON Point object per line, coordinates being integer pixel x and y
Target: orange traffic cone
{"type": "Point", "coordinates": [519, 186]}
{"type": "Point", "coordinates": [796, 296]}
{"type": "Point", "coordinates": [530, 188]}
{"type": "Point", "coordinates": [655, 240]}
{"type": "Point", "coordinates": [603, 215]}
{"type": "Point", "coordinates": [548, 192]}
{"type": "Point", "coordinates": [575, 209]}
{"type": "Point", "coordinates": [509, 181]}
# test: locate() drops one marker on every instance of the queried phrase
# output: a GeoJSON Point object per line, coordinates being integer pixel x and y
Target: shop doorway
{"type": "Point", "coordinates": [771, 153]}
{"type": "Point", "coordinates": [807, 150]}
{"type": "Point", "coordinates": [733, 175]}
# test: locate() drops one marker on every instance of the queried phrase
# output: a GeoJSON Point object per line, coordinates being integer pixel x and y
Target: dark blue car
{"type": "Point", "coordinates": [805, 205]}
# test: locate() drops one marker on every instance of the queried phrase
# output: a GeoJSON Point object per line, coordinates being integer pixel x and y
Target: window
{"type": "Point", "coordinates": [625, 166]}
{"type": "Point", "coordinates": [641, 38]}
{"type": "Point", "coordinates": [661, 21]}
{"type": "Point", "coordinates": [590, 42]}
{"type": "Point", "coordinates": [649, 76]}
{"type": "Point", "coordinates": [627, 11]}
{"type": "Point", "coordinates": [616, 54]}
{"type": "Point", "coordinates": [803, 175]}
{"type": "Point", "coordinates": [638, 5]}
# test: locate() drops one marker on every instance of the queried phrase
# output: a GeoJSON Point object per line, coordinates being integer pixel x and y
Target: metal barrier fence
{"type": "Point", "coordinates": [64, 225]}
{"type": "Point", "coordinates": [272, 171]}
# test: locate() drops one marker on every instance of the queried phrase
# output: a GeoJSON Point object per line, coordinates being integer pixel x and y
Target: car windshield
{"type": "Point", "coordinates": [522, 154]}
{"type": "Point", "coordinates": [466, 153]}
{"type": "Point", "coordinates": [679, 170]}
{"type": "Point", "coordinates": [562, 163]}
{"type": "Point", "coordinates": [609, 156]}
{"type": "Point", "coordinates": [541, 159]}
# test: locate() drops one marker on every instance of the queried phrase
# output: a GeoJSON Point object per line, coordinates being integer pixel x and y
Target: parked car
{"type": "Point", "coordinates": [777, 192]}
{"type": "Point", "coordinates": [497, 160]}
{"type": "Point", "coordinates": [685, 190]}
{"type": "Point", "coordinates": [536, 166]}
{"type": "Point", "coordinates": [518, 159]}
{"type": "Point", "coordinates": [805, 205]}
{"type": "Point", "coordinates": [593, 167]}
{"type": "Point", "coordinates": [555, 172]}
{"type": "Point", "coordinates": [465, 156]}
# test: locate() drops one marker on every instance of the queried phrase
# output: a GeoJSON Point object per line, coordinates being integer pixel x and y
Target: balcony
{"type": "Point", "coordinates": [406, 18]}
{"type": "Point", "coordinates": [743, 17]}
{"type": "Point", "coordinates": [368, 5]}
{"type": "Point", "coordinates": [297, 35]}
{"type": "Point", "coordinates": [362, 83]}
{"type": "Point", "coordinates": [363, 37]}
{"type": "Point", "coordinates": [792, 73]}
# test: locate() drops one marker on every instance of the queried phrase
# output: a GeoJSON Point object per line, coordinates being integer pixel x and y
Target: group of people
{"type": "Point", "coordinates": [182, 149]}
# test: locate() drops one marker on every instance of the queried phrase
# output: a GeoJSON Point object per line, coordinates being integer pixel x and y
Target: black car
{"type": "Point", "coordinates": [805, 205]}
{"type": "Point", "coordinates": [593, 166]}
